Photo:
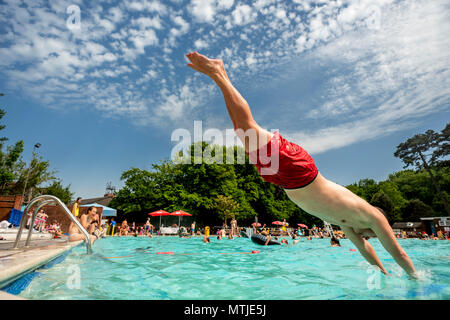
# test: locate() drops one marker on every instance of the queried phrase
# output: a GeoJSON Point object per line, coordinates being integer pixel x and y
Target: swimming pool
{"type": "Point", "coordinates": [130, 268]}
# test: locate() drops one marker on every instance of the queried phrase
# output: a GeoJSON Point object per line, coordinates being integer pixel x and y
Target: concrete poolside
{"type": "Point", "coordinates": [14, 263]}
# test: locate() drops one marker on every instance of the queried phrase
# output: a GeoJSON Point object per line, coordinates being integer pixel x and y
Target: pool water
{"type": "Point", "coordinates": [130, 268]}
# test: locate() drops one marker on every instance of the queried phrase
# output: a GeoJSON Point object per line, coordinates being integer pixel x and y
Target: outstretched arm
{"type": "Point", "coordinates": [386, 236]}
{"type": "Point", "coordinates": [364, 248]}
{"type": "Point", "coordinates": [237, 106]}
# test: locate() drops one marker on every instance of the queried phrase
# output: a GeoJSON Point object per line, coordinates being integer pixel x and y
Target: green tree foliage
{"type": "Point", "coordinates": [226, 207]}
{"type": "Point", "coordinates": [382, 200]}
{"type": "Point", "coordinates": [415, 209]}
{"type": "Point", "coordinates": [14, 171]}
{"type": "Point", "coordinates": [36, 174]}
{"type": "Point", "coordinates": [58, 190]}
{"type": "Point", "coordinates": [10, 160]}
{"type": "Point", "coordinates": [424, 151]}
{"type": "Point", "coordinates": [440, 155]}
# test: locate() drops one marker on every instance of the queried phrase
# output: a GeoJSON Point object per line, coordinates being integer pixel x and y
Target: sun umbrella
{"type": "Point", "coordinates": [180, 213]}
{"type": "Point", "coordinates": [279, 223]}
{"type": "Point", "coordinates": [256, 224]}
{"type": "Point", "coordinates": [301, 225]}
{"type": "Point", "coordinates": [159, 214]}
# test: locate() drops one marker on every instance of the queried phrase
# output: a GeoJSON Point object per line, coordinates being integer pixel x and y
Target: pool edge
{"type": "Point", "coordinates": [21, 270]}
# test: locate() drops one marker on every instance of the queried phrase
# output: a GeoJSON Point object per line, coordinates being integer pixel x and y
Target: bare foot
{"type": "Point", "coordinates": [203, 64]}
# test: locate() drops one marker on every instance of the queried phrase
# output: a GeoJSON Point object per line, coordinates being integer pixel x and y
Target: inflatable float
{"type": "Point", "coordinates": [260, 239]}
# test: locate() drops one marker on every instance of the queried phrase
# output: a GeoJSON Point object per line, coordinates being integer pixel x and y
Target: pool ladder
{"type": "Point", "coordinates": [41, 201]}
{"type": "Point", "coordinates": [329, 228]}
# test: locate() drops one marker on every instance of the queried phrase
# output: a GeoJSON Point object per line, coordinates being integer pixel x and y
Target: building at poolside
{"type": "Point", "coordinates": [434, 224]}
{"type": "Point", "coordinates": [429, 225]}
{"type": "Point", "coordinates": [409, 228]}
{"type": "Point", "coordinates": [104, 201]}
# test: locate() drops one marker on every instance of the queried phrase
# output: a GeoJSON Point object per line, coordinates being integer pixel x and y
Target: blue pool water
{"type": "Point", "coordinates": [129, 268]}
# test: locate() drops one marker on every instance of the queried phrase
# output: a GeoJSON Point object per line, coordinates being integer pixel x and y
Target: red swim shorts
{"type": "Point", "coordinates": [284, 163]}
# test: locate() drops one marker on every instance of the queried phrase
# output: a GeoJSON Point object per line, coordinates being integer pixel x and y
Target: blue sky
{"type": "Point", "coordinates": [347, 80]}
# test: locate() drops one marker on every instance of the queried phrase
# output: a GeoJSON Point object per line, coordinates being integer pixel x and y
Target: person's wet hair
{"type": "Point", "coordinates": [335, 241]}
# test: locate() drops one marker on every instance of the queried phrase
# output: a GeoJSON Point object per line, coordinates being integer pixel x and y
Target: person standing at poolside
{"type": "Point", "coordinates": [233, 225]}
{"type": "Point", "coordinates": [113, 226]}
{"type": "Point", "coordinates": [294, 170]}
{"type": "Point", "coordinates": [193, 228]}
{"type": "Point", "coordinates": [147, 227]}
{"type": "Point", "coordinates": [76, 207]}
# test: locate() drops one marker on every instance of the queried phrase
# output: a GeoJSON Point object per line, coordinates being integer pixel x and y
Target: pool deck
{"type": "Point", "coordinates": [15, 263]}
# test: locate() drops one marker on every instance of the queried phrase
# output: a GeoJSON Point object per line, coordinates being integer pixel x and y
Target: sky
{"type": "Point", "coordinates": [102, 85]}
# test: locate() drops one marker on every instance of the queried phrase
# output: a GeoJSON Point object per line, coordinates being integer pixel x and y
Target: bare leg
{"type": "Point", "coordinates": [237, 106]}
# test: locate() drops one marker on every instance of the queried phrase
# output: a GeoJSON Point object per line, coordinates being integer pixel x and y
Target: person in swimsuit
{"type": "Point", "coordinates": [88, 223]}
{"type": "Point", "coordinates": [124, 228]}
{"type": "Point", "coordinates": [289, 166]}
{"type": "Point", "coordinates": [76, 207]}
{"type": "Point", "coordinates": [193, 228]}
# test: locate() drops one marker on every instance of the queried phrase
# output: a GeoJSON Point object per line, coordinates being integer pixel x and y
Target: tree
{"type": "Point", "coordinates": [382, 200]}
{"type": "Point", "coordinates": [36, 174]}
{"type": "Point", "coordinates": [58, 190]}
{"type": "Point", "coordinates": [226, 207]}
{"type": "Point", "coordinates": [416, 150]}
{"type": "Point", "coordinates": [415, 209]}
{"type": "Point", "coordinates": [10, 161]}
{"type": "Point", "coordinates": [442, 145]}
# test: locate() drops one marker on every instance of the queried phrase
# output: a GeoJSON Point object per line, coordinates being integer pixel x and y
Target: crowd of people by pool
{"type": "Point", "coordinates": [90, 220]}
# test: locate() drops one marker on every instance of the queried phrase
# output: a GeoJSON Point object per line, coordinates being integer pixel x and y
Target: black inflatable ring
{"type": "Point", "coordinates": [260, 239]}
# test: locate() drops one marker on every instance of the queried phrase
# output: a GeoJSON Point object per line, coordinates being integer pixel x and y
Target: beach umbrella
{"type": "Point", "coordinates": [159, 214]}
{"type": "Point", "coordinates": [279, 223]}
{"type": "Point", "coordinates": [180, 213]}
{"type": "Point", "coordinates": [301, 225]}
{"type": "Point", "coordinates": [256, 224]}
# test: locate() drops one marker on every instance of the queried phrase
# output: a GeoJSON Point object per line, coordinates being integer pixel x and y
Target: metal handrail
{"type": "Point", "coordinates": [45, 199]}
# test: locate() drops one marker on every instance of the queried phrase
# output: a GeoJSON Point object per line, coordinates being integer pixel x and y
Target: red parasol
{"type": "Point", "coordinates": [180, 213]}
{"type": "Point", "coordinates": [159, 214]}
{"type": "Point", "coordinates": [256, 224]}
{"type": "Point", "coordinates": [279, 223]}
{"type": "Point", "coordinates": [301, 225]}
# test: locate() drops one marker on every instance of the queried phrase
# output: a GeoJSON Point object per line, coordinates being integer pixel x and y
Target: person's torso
{"type": "Point", "coordinates": [333, 203]}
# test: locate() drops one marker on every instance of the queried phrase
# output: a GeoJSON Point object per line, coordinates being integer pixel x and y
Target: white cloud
{"type": "Point", "coordinates": [200, 44]}
{"type": "Point", "coordinates": [203, 10]}
{"type": "Point", "coordinates": [243, 14]}
{"type": "Point", "coordinates": [388, 73]}
{"type": "Point", "coordinates": [389, 82]}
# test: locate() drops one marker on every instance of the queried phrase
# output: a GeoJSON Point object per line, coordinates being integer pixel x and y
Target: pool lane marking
{"type": "Point", "coordinates": [185, 254]}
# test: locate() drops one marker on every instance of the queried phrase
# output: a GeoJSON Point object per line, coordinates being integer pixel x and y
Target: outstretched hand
{"type": "Point", "coordinates": [201, 63]}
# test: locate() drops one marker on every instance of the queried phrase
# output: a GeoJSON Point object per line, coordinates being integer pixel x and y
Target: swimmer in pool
{"type": "Point", "coordinates": [294, 170]}
{"type": "Point", "coordinates": [335, 242]}
{"type": "Point", "coordinates": [284, 241]}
